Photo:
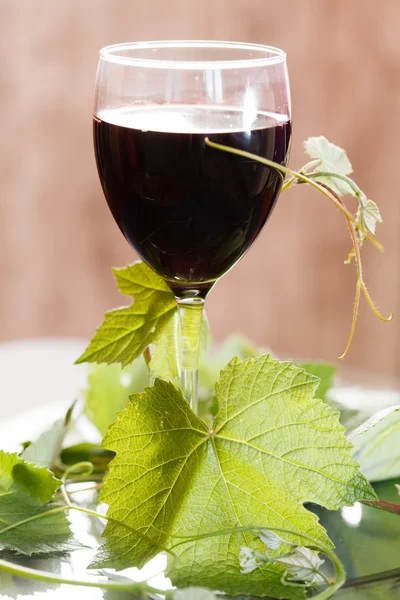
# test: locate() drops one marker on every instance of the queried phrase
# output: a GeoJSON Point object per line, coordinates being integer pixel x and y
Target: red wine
{"type": "Point", "coordinates": [189, 211]}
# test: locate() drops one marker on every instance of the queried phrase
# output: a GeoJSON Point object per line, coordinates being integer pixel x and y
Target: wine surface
{"type": "Point", "coordinates": [189, 211]}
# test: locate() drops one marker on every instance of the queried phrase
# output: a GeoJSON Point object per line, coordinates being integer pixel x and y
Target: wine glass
{"type": "Point", "coordinates": [188, 210]}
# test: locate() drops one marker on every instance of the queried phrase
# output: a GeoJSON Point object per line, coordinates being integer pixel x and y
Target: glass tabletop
{"type": "Point", "coordinates": [366, 539]}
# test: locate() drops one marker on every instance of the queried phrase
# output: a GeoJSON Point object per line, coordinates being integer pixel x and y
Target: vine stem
{"type": "Point", "coordinates": [97, 486]}
{"type": "Point", "coordinates": [85, 467]}
{"type": "Point", "coordinates": [289, 182]}
{"type": "Point", "coordinates": [47, 577]}
{"type": "Point", "coordinates": [360, 283]}
{"type": "Point", "coordinates": [356, 247]}
{"type": "Point", "coordinates": [344, 178]}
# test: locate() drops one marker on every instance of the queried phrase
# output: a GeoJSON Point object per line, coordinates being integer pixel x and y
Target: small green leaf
{"type": "Point", "coordinates": [368, 214]}
{"type": "Point", "coordinates": [126, 332]}
{"type": "Point", "coordinates": [325, 372]}
{"type": "Point", "coordinates": [271, 540]}
{"type": "Point", "coordinates": [334, 168]}
{"type": "Point", "coordinates": [25, 490]}
{"type": "Point", "coordinates": [332, 159]}
{"type": "Point", "coordinates": [272, 447]}
{"type": "Point", "coordinates": [303, 565]}
{"type": "Point", "coordinates": [376, 445]}
{"type": "Point", "coordinates": [108, 390]}
{"type": "Point", "coordinates": [46, 449]}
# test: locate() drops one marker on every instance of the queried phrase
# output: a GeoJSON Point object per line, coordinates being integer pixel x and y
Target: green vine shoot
{"type": "Point", "coordinates": [361, 226]}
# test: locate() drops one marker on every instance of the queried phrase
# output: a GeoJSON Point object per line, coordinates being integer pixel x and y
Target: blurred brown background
{"type": "Point", "coordinates": [292, 292]}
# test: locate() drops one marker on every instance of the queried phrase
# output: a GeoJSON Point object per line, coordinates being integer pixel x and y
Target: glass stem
{"type": "Point", "coordinates": [190, 317]}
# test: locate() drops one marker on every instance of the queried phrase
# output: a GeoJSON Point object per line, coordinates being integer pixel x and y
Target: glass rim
{"type": "Point", "coordinates": [273, 55]}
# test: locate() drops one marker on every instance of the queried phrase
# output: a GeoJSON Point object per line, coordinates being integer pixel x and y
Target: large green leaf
{"type": "Point", "coordinates": [218, 356]}
{"type": "Point", "coordinates": [237, 345]}
{"type": "Point", "coordinates": [271, 448]}
{"type": "Point", "coordinates": [108, 390]}
{"type": "Point", "coordinates": [376, 445]}
{"type": "Point", "coordinates": [126, 332]}
{"type": "Point", "coordinates": [25, 490]}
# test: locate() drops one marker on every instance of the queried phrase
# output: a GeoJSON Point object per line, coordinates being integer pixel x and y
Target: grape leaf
{"type": "Point", "coordinates": [108, 390]}
{"type": "Point", "coordinates": [25, 490]}
{"type": "Point", "coordinates": [271, 448]}
{"type": "Point", "coordinates": [126, 332]}
{"type": "Point", "coordinates": [325, 372]}
{"type": "Point", "coordinates": [368, 214]}
{"type": "Point", "coordinates": [332, 159]}
{"type": "Point", "coordinates": [236, 345]}
{"type": "Point", "coordinates": [46, 449]}
{"type": "Point", "coordinates": [376, 445]}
